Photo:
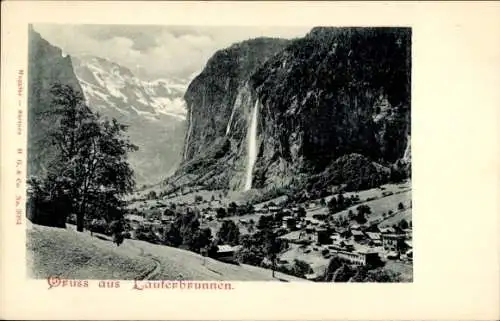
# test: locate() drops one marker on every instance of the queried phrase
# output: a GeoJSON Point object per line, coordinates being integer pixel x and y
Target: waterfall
{"type": "Point", "coordinates": [252, 146]}
{"type": "Point", "coordinates": [236, 104]}
{"type": "Point", "coordinates": [190, 119]}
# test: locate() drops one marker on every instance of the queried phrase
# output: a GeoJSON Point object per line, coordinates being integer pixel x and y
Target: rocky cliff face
{"type": "Point", "coordinates": [222, 88]}
{"type": "Point", "coordinates": [334, 92]}
{"type": "Point", "coordinates": [47, 65]}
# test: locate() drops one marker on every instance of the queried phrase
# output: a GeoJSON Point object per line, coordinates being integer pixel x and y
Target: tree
{"type": "Point", "coordinates": [172, 236]}
{"type": "Point", "coordinates": [322, 202]}
{"type": "Point", "coordinates": [198, 198]}
{"type": "Point", "coordinates": [228, 233]}
{"type": "Point", "coordinates": [403, 224]}
{"type": "Point", "coordinates": [202, 239]}
{"type": "Point", "coordinates": [301, 268]}
{"type": "Point", "coordinates": [272, 247]}
{"type": "Point", "coordinates": [221, 212]}
{"type": "Point", "coordinates": [362, 210]}
{"type": "Point", "coordinates": [232, 209]}
{"type": "Point", "coordinates": [251, 226]}
{"type": "Point", "coordinates": [301, 212]}
{"type": "Point", "coordinates": [332, 205]}
{"type": "Point", "coordinates": [264, 222]}
{"type": "Point", "coordinates": [401, 206]}
{"type": "Point", "coordinates": [383, 275]}
{"type": "Point", "coordinates": [91, 167]}
{"type": "Point", "coordinates": [333, 265]}
{"type": "Point", "coordinates": [343, 274]}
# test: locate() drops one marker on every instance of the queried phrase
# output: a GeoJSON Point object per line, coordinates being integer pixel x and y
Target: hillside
{"type": "Point", "coordinates": [66, 253]}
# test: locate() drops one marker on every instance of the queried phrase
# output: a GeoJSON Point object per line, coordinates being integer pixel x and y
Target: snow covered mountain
{"type": "Point", "coordinates": [150, 109]}
{"type": "Point", "coordinates": [109, 85]}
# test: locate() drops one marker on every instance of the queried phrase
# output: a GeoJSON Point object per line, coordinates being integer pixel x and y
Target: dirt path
{"type": "Point", "coordinates": [155, 271]}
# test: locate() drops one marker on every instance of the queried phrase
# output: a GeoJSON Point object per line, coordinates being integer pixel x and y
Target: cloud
{"type": "Point", "coordinates": [155, 51]}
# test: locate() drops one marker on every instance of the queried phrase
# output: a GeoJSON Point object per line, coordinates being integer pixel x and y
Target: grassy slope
{"type": "Point", "coordinates": [69, 254]}
{"type": "Point", "coordinates": [382, 204]}
{"type": "Point", "coordinates": [66, 253]}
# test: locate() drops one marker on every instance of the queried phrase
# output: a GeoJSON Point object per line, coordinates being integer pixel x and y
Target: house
{"type": "Point", "coordinates": [134, 220]}
{"type": "Point", "coordinates": [311, 205]}
{"type": "Point", "coordinates": [313, 277]}
{"type": "Point", "coordinates": [322, 236]}
{"type": "Point", "coordinates": [393, 242]}
{"type": "Point", "coordinates": [408, 233]}
{"type": "Point", "coordinates": [274, 209]}
{"type": "Point", "coordinates": [166, 219]}
{"type": "Point", "coordinates": [409, 255]}
{"type": "Point", "coordinates": [293, 237]}
{"type": "Point", "coordinates": [226, 253]}
{"type": "Point", "coordinates": [374, 238]}
{"type": "Point", "coordinates": [357, 235]}
{"type": "Point", "coordinates": [310, 229]}
{"type": "Point", "coordinates": [319, 217]}
{"type": "Point", "coordinates": [359, 258]}
{"type": "Point", "coordinates": [289, 222]}
{"type": "Point", "coordinates": [335, 237]}
{"type": "Point", "coordinates": [387, 230]}
{"type": "Point", "coordinates": [355, 226]}
{"type": "Point", "coordinates": [393, 255]}
{"type": "Point", "coordinates": [343, 232]}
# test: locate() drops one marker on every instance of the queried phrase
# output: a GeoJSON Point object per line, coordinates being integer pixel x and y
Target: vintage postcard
{"type": "Point", "coordinates": [186, 162]}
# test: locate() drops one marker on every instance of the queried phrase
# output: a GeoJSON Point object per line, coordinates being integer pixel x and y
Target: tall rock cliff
{"type": "Point", "coordinates": [333, 93]}
{"type": "Point", "coordinates": [221, 88]}
{"type": "Point", "coordinates": [47, 65]}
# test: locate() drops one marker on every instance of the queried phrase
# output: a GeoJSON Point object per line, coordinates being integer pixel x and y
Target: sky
{"type": "Point", "coordinates": [153, 52]}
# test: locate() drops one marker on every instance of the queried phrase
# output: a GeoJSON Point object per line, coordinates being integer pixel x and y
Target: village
{"type": "Point", "coordinates": [359, 234]}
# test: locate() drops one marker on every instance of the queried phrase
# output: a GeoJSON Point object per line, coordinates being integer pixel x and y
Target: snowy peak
{"type": "Point", "coordinates": [107, 85]}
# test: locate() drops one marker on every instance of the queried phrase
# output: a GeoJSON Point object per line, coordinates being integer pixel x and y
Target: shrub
{"type": "Point", "coordinates": [221, 212]}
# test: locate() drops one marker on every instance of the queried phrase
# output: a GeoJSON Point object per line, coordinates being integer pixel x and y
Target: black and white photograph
{"type": "Point", "coordinates": [218, 153]}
